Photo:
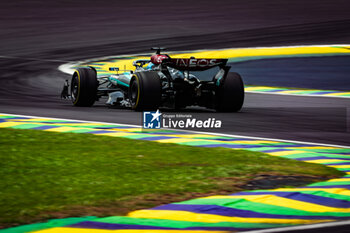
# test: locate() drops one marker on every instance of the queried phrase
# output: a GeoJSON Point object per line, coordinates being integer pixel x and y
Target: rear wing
{"type": "Point", "coordinates": [194, 64]}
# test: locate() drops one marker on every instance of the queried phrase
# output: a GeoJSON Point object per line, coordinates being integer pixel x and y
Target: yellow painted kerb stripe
{"type": "Point", "coordinates": [82, 230]}
{"type": "Point", "coordinates": [211, 218]}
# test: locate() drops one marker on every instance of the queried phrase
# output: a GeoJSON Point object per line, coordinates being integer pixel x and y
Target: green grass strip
{"type": "Point", "coordinates": [49, 172]}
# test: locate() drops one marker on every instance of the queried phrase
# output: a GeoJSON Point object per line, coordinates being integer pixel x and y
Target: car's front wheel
{"type": "Point", "coordinates": [84, 87]}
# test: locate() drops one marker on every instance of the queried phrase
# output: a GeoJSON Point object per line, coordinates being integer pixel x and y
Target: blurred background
{"type": "Point", "coordinates": [29, 26]}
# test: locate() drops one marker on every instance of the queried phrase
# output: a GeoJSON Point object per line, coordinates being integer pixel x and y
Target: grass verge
{"type": "Point", "coordinates": [52, 175]}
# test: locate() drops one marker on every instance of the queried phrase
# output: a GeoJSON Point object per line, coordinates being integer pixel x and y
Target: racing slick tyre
{"type": "Point", "coordinates": [230, 94]}
{"type": "Point", "coordinates": [145, 91]}
{"type": "Point", "coordinates": [84, 87]}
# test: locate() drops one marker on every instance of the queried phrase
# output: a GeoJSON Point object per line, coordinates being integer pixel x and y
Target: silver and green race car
{"type": "Point", "coordinates": [160, 82]}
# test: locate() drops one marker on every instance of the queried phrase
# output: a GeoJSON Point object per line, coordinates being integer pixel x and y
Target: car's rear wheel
{"type": "Point", "coordinates": [230, 94]}
{"type": "Point", "coordinates": [145, 91]}
{"type": "Point", "coordinates": [84, 87]}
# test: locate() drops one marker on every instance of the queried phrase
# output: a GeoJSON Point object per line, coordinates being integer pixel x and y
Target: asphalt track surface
{"type": "Point", "coordinates": [38, 36]}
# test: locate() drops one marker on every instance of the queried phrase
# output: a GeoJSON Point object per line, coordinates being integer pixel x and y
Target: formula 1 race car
{"type": "Point", "coordinates": [161, 81]}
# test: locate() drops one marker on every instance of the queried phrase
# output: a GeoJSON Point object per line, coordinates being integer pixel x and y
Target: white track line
{"type": "Point", "coordinates": [303, 227]}
{"type": "Point", "coordinates": [189, 131]}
